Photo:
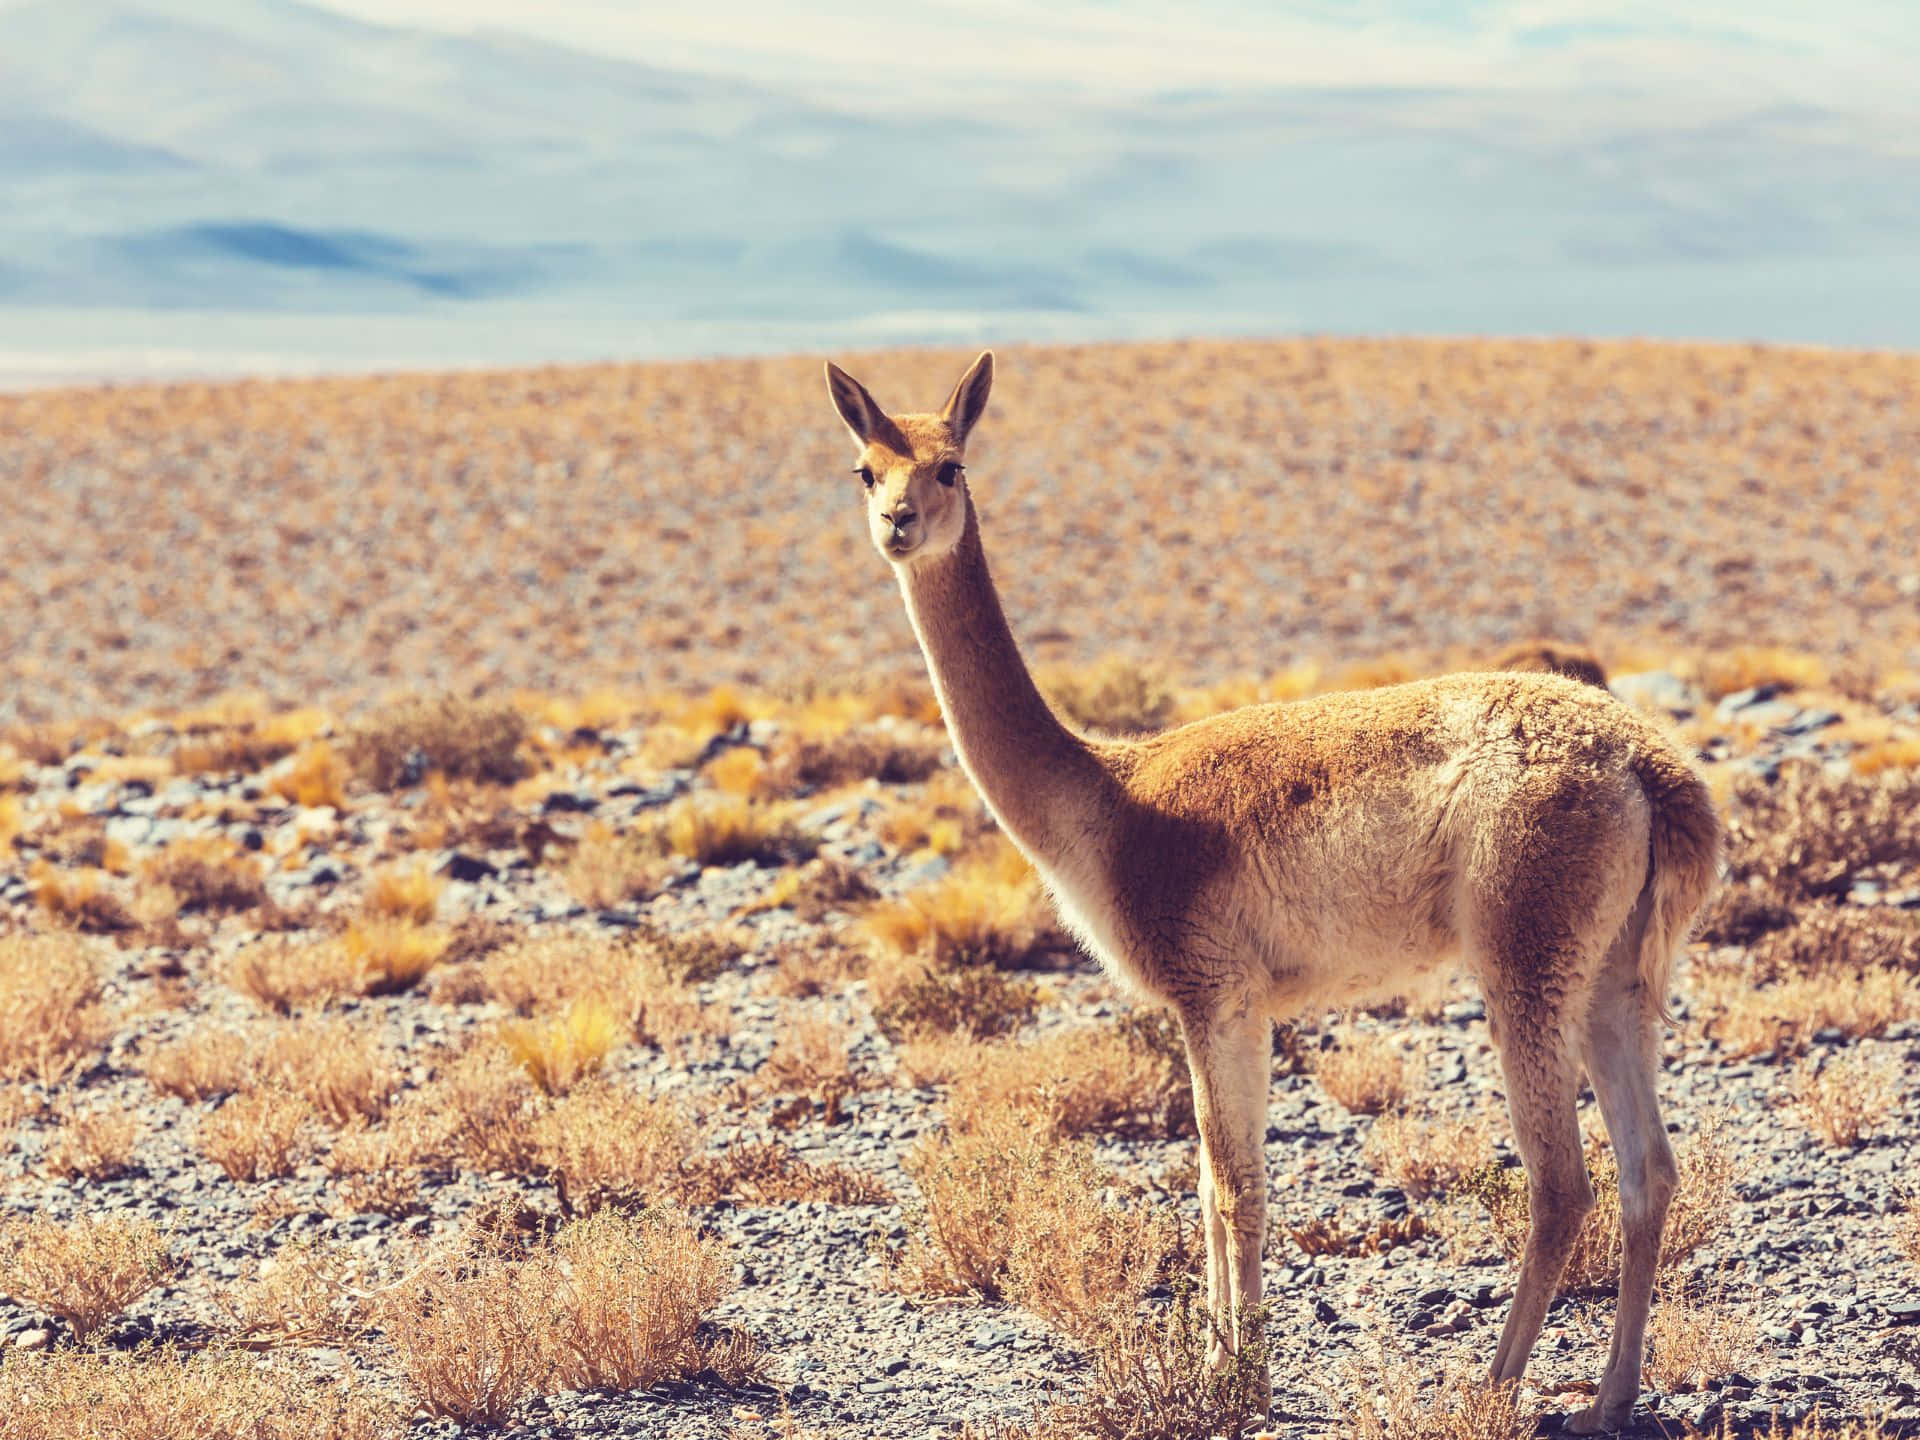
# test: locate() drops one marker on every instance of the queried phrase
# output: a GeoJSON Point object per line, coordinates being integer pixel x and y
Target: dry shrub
{"type": "Point", "coordinates": [209, 874]}
{"type": "Point", "coordinates": [1152, 1380]}
{"type": "Point", "coordinates": [988, 911]}
{"type": "Point", "coordinates": [462, 739]}
{"type": "Point", "coordinates": [942, 817]}
{"type": "Point", "coordinates": [1701, 1209]}
{"type": "Point", "coordinates": [607, 1146]}
{"type": "Point", "coordinates": [1781, 1019]}
{"type": "Point", "coordinates": [478, 1112]}
{"type": "Point", "coordinates": [890, 754]}
{"type": "Point", "coordinates": [313, 779]}
{"type": "Point", "coordinates": [629, 975]}
{"type": "Point", "coordinates": [813, 1058]}
{"type": "Point", "coordinates": [205, 1062]}
{"type": "Point", "coordinates": [408, 892]}
{"type": "Point", "coordinates": [340, 1069]}
{"type": "Point", "coordinates": [720, 829]}
{"type": "Point", "coordinates": [609, 867]}
{"type": "Point", "coordinates": [1116, 695]}
{"type": "Point", "coordinates": [84, 1272]}
{"type": "Point", "coordinates": [307, 1292]}
{"type": "Point", "coordinates": [1694, 1342]}
{"type": "Point", "coordinates": [96, 1143]}
{"type": "Point", "coordinates": [1074, 1081]}
{"type": "Point", "coordinates": [628, 1294]}
{"type": "Point", "coordinates": [1746, 667]}
{"type": "Point", "coordinates": [813, 966]}
{"type": "Point", "coordinates": [559, 1051]}
{"type": "Point", "coordinates": [1804, 835]}
{"type": "Point", "coordinates": [164, 1395]}
{"type": "Point", "coordinates": [1845, 1097]}
{"type": "Point", "coordinates": [51, 1022]}
{"type": "Point", "coordinates": [1428, 1155]}
{"type": "Point", "coordinates": [915, 1000]}
{"type": "Point", "coordinates": [255, 1136]}
{"type": "Point", "coordinates": [392, 954]}
{"type": "Point", "coordinates": [285, 975]}
{"type": "Point", "coordinates": [766, 1172]}
{"type": "Point", "coordinates": [816, 890]}
{"type": "Point", "coordinates": [80, 898]}
{"type": "Point", "coordinates": [615, 1301]}
{"type": "Point", "coordinates": [1366, 1073]}
{"type": "Point", "coordinates": [1386, 1398]}
{"type": "Point", "coordinates": [1832, 938]}
{"type": "Point", "coordinates": [1008, 1211]}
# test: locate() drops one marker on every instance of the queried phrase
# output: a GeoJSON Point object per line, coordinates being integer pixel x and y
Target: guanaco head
{"type": "Point", "coordinates": [914, 466]}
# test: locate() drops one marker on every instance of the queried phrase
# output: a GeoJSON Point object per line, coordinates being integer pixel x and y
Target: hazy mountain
{"type": "Point", "coordinates": [191, 178]}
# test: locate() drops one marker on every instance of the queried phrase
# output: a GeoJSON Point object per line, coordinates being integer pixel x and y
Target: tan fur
{"type": "Point", "coordinates": [1282, 857]}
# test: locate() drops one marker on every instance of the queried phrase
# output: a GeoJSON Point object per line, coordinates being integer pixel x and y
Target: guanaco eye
{"type": "Point", "coordinates": [865, 474]}
{"type": "Point", "coordinates": [950, 472]}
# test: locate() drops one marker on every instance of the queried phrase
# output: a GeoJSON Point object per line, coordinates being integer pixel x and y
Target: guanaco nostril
{"type": "Point", "coordinates": [902, 519]}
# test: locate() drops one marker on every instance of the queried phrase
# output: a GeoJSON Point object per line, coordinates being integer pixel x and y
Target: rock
{"type": "Point", "coordinates": [36, 1339]}
{"type": "Point", "coordinates": [469, 869]}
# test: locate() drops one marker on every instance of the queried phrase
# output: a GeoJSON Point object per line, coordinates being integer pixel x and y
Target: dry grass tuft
{"type": "Point", "coordinates": [607, 1146]}
{"type": "Point", "coordinates": [163, 1395]}
{"type": "Point", "coordinates": [813, 1059]}
{"type": "Point", "coordinates": [1390, 1399]}
{"type": "Point", "coordinates": [1694, 1342]}
{"type": "Point", "coordinates": [206, 1062]}
{"type": "Point", "coordinates": [406, 892]}
{"type": "Point", "coordinates": [615, 1301]}
{"type": "Point", "coordinates": [769, 1173]}
{"type": "Point", "coordinates": [889, 753]}
{"type": "Point", "coordinates": [84, 1272]}
{"type": "Point", "coordinates": [392, 954]}
{"type": "Point", "coordinates": [609, 867]}
{"type": "Point", "coordinates": [1782, 1019]}
{"type": "Point", "coordinates": [1427, 1156]}
{"type": "Point", "coordinates": [917, 1000]}
{"type": "Point", "coordinates": [1701, 1209]}
{"type": "Point", "coordinates": [1745, 667]}
{"type": "Point", "coordinates": [306, 1293]}
{"type": "Point", "coordinates": [1152, 1380]}
{"type": "Point", "coordinates": [989, 911]}
{"type": "Point", "coordinates": [401, 744]}
{"type": "Point", "coordinates": [96, 1143]}
{"type": "Point", "coordinates": [560, 1051]}
{"type": "Point", "coordinates": [51, 1022]}
{"type": "Point", "coordinates": [1115, 695]}
{"type": "Point", "coordinates": [721, 829]}
{"type": "Point", "coordinates": [1009, 1212]}
{"type": "Point", "coordinates": [1804, 835]}
{"type": "Point", "coordinates": [283, 976]}
{"type": "Point", "coordinates": [478, 1112]}
{"type": "Point", "coordinates": [80, 898]}
{"type": "Point", "coordinates": [255, 1136]}
{"type": "Point", "coordinates": [209, 874]}
{"type": "Point", "coordinates": [315, 778]}
{"type": "Point", "coordinates": [1366, 1072]}
{"type": "Point", "coordinates": [1073, 1082]}
{"type": "Point", "coordinates": [340, 1069]}
{"type": "Point", "coordinates": [1846, 1097]}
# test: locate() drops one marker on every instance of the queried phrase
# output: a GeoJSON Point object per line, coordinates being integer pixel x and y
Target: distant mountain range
{"type": "Point", "coordinates": [221, 184]}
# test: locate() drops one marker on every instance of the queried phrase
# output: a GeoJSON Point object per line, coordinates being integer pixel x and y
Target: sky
{"type": "Point", "coordinates": [222, 186]}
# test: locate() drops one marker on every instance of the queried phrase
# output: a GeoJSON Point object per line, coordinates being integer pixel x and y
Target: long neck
{"type": "Point", "coordinates": [1043, 783]}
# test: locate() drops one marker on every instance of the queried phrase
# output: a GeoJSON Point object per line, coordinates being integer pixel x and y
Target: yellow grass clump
{"type": "Point", "coordinates": [255, 1135]}
{"type": "Point", "coordinates": [316, 777]}
{"type": "Point", "coordinates": [407, 892]}
{"type": "Point", "coordinates": [1366, 1072]}
{"type": "Point", "coordinates": [559, 1051]}
{"type": "Point", "coordinates": [393, 954]}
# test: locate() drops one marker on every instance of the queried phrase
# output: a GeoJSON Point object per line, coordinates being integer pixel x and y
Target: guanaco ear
{"type": "Point", "coordinates": [969, 399]}
{"type": "Point", "coordinates": [864, 418]}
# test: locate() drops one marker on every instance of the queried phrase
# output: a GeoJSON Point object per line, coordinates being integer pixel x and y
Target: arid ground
{"type": "Point", "coordinates": [493, 937]}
